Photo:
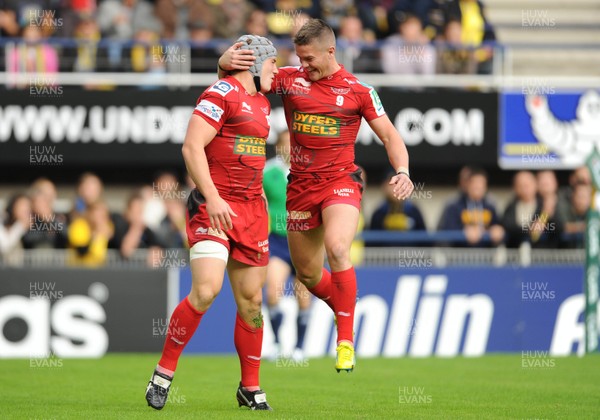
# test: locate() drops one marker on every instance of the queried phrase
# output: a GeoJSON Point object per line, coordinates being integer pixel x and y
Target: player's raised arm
{"type": "Point", "coordinates": [235, 58]}
{"type": "Point", "coordinates": [199, 135]}
{"type": "Point", "coordinates": [397, 154]}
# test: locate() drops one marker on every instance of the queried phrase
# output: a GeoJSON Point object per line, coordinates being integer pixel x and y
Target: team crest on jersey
{"type": "Point", "coordinates": [246, 108]}
{"type": "Point", "coordinates": [340, 91]}
{"type": "Point", "coordinates": [221, 87]}
{"type": "Point", "coordinates": [210, 110]}
{"type": "Point", "coordinates": [265, 109]}
{"type": "Point", "coordinates": [302, 84]}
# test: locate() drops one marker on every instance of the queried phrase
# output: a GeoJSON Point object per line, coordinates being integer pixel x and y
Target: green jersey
{"type": "Point", "coordinates": [275, 185]}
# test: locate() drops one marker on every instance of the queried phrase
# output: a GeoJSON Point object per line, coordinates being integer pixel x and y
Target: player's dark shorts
{"type": "Point", "coordinates": [307, 197]}
{"type": "Point", "coordinates": [247, 242]}
{"type": "Point", "coordinates": [278, 248]}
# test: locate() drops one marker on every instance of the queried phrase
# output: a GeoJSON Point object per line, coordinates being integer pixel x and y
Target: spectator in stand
{"type": "Point", "coordinates": [552, 229]}
{"type": "Point", "coordinates": [203, 54]}
{"type": "Point", "coordinates": [353, 42]}
{"type": "Point", "coordinates": [87, 35]}
{"type": "Point", "coordinates": [474, 214]}
{"type": "Point", "coordinates": [164, 187]}
{"type": "Point", "coordinates": [176, 16]}
{"type": "Point", "coordinates": [43, 14]}
{"type": "Point", "coordinates": [525, 219]}
{"type": "Point", "coordinates": [333, 11]}
{"type": "Point", "coordinates": [89, 235]}
{"type": "Point", "coordinates": [451, 58]}
{"type": "Point", "coordinates": [171, 232]}
{"type": "Point", "coordinates": [256, 24]}
{"type": "Point", "coordinates": [433, 13]}
{"type": "Point", "coordinates": [575, 217]}
{"type": "Point", "coordinates": [580, 176]}
{"type": "Point", "coordinates": [13, 227]}
{"type": "Point", "coordinates": [288, 56]}
{"type": "Point", "coordinates": [9, 24]}
{"type": "Point", "coordinates": [394, 215]}
{"type": "Point", "coordinates": [230, 18]}
{"type": "Point", "coordinates": [135, 234]}
{"type": "Point", "coordinates": [376, 16]}
{"type": "Point", "coordinates": [437, 14]}
{"type": "Point", "coordinates": [32, 54]}
{"type": "Point", "coordinates": [408, 51]}
{"type": "Point", "coordinates": [283, 17]}
{"type": "Point", "coordinates": [47, 229]}
{"type": "Point", "coordinates": [463, 182]}
{"type": "Point", "coordinates": [147, 55]}
{"type": "Point", "coordinates": [476, 30]}
{"type": "Point", "coordinates": [121, 19]}
{"type": "Point", "coordinates": [89, 191]}
{"type": "Point", "coordinates": [522, 211]}
{"type": "Point", "coordinates": [72, 13]}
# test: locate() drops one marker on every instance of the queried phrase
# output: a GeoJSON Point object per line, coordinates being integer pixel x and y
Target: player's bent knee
{"type": "Point", "coordinates": [309, 278]}
{"type": "Point", "coordinates": [338, 252]}
{"type": "Point", "coordinates": [203, 296]}
{"type": "Point", "coordinates": [251, 306]}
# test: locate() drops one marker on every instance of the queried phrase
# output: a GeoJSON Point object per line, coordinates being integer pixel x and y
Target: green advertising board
{"type": "Point", "coordinates": [592, 269]}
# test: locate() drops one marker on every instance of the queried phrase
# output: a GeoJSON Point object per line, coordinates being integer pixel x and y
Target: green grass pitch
{"type": "Point", "coordinates": [204, 387]}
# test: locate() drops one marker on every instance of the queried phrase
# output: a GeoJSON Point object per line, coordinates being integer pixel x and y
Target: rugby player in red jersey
{"type": "Point", "coordinates": [323, 106]}
{"type": "Point", "coordinates": [227, 223]}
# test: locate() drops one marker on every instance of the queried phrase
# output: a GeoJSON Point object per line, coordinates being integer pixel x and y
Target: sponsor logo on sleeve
{"type": "Point", "coordinates": [210, 110]}
{"type": "Point", "coordinates": [375, 99]}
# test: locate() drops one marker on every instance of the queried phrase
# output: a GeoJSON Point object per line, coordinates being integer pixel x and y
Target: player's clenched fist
{"type": "Point", "coordinates": [403, 186]}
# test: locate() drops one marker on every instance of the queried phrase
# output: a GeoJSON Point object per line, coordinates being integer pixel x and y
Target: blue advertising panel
{"type": "Point", "coordinates": [543, 128]}
{"type": "Point", "coordinates": [430, 312]}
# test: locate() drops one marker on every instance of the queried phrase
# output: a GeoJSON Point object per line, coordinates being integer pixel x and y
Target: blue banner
{"type": "Point", "coordinates": [429, 312]}
{"type": "Point", "coordinates": [542, 128]}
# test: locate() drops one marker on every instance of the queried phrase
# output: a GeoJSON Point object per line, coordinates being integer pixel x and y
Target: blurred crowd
{"type": "Point", "coordinates": [391, 36]}
{"type": "Point", "coordinates": [540, 214]}
{"type": "Point", "coordinates": [153, 219]}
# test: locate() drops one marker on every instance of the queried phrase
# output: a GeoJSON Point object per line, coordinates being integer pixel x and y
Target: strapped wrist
{"type": "Point", "coordinates": [403, 170]}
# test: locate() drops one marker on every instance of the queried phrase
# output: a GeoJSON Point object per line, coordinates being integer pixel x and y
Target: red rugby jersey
{"type": "Point", "coordinates": [236, 156]}
{"type": "Point", "coordinates": [324, 118]}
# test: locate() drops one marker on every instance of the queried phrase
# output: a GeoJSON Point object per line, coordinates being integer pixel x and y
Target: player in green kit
{"type": "Point", "coordinates": [280, 263]}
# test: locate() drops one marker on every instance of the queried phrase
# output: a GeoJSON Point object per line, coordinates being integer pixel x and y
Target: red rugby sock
{"type": "Point", "coordinates": [183, 324]}
{"type": "Point", "coordinates": [248, 343]}
{"type": "Point", "coordinates": [323, 289]}
{"type": "Point", "coordinates": [344, 299]}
